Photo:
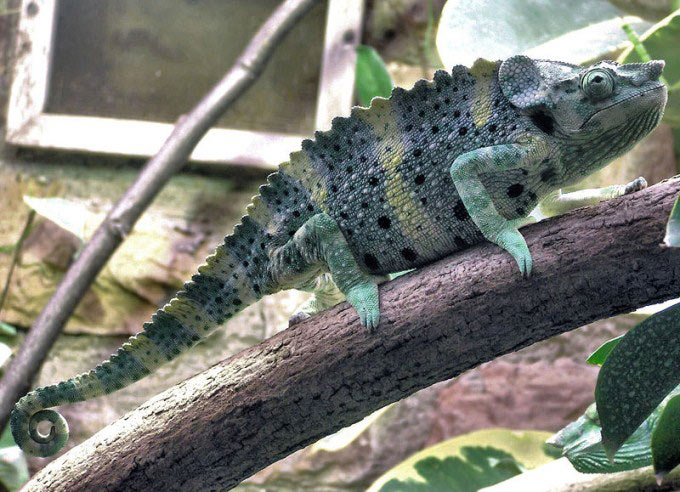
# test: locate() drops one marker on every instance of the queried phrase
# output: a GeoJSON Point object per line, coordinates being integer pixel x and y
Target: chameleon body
{"type": "Point", "coordinates": [413, 178]}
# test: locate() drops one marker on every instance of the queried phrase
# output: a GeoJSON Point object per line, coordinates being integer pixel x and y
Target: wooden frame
{"type": "Point", "coordinates": [29, 125]}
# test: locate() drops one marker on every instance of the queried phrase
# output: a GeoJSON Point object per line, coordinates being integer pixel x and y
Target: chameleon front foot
{"type": "Point", "coordinates": [364, 298]}
{"type": "Point", "coordinates": [511, 240]}
{"type": "Point", "coordinates": [635, 185]}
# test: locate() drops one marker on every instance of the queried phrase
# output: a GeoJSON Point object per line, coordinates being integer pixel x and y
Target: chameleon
{"type": "Point", "coordinates": [429, 171]}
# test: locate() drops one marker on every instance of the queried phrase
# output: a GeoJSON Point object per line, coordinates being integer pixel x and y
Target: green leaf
{"type": "Point", "coordinates": [459, 460]}
{"type": "Point", "coordinates": [598, 357]}
{"type": "Point", "coordinates": [672, 238]}
{"type": "Point", "coordinates": [480, 467]}
{"type": "Point", "coordinates": [7, 329]}
{"type": "Point", "coordinates": [372, 77]}
{"type": "Point", "coordinates": [637, 375]}
{"type": "Point", "coordinates": [666, 439]}
{"type": "Point", "coordinates": [13, 465]}
{"type": "Point", "coordinates": [661, 41]}
{"type": "Point", "coordinates": [577, 31]}
{"type": "Point", "coordinates": [580, 442]}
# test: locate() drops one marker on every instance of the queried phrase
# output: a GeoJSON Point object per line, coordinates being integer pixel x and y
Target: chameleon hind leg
{"type": "Point", "coordinates": [325, 295]}
{"type": "Point", "coordinates": [318, 247]}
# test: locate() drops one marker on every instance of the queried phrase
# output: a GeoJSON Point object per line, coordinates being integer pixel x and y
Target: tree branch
{"type": "Point", "coordinates": [221, 426]}
{"type": "Point", "coordinates": [170, 158]}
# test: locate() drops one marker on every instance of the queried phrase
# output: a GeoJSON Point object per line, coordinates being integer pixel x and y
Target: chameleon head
{"type": "Point", "coordinates": [577, 103]}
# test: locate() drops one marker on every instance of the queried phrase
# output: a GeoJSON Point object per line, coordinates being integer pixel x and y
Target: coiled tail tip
{"type": "Point", "coordinates": [24, 426]}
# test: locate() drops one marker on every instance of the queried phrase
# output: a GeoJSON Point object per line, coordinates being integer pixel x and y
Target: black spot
{"type": "Point", "coordinates": [548, 175]}
{"type": "Point", "coordinates": [336, 147]}
{"type": "Point", "coordinates": [384, 222]}
{"type": "Point", "coordinates": [409, 254]}
{"type": "Point", "coordinates": [334, 189]}
{"type": "Point", "coordinates": [515, 190]}
{"type": "Point", "coordinates": [461, 212]}
{"type": "Point", "coordinates": [417, 153]}
{"type": "Point", "coordinates": [420, 179]}
{"type": "Point", "coordinates": [435, 129]}
{"type": "Point", "coordinates": [350, 169]}
{"type": "Point", "coordinates": [237, 302]}
{"type": "Point", "coordinates": [296, 213]}
{"type": "Point", "coordinates": [371, 261]}
{"type": "Point", "coordinates": [462, 131]}
{"type": "Point", "coordinates": [309, 208]}
{"type": "Point", "coordinates": [460, 242]}
{"type": "Point", "coordinates": [492, 128]}
{"type": "Point", "coordinates": [544, 122]}
{"type": "Point", "coordinates": [447, 100]}
{"type": "Point", "coordinates": [436, 106]}
{"type": "Point", "coordinates": [456, 114]}
{"type": "Point", "coordinates": [408, 128]}
{"type": "Point", "coordinates": [532, 196]}
{"type": "Point", "coordinates": [256, 288]}
{"type": "Point", "coordinates": [364, 205]}
{"type": "Point", "coordinates": [519, 210]}
{"type": "Point", "coordinates": [344, 215]}
{"type": "Point", "coordinates": [423, 200]}
{"type": "Point", "coordinates": [245, 264]}
{"type": "Point", "coordinates": [373, 181]}
{"type": "Point", "coordinates": [421, 113]}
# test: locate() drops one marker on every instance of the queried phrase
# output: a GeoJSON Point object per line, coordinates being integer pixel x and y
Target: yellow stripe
{"type": "Point", "coordinates": [405, 205]}
{"type": "Point", "coordinates": [482, 105]}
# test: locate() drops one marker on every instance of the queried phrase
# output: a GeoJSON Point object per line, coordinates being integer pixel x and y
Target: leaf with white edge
{"type": "Point", "coordinates": [666, 440]}
{"type": "Point", "coordinates": [525, 447]}
{"type": "Point", "coordinates": [598, 357]}
{"type": "Point", "coordinates": [661, 41]}
{"type": "Point", "coordinates": [672, 237]}
{"type": "Point", "coordinates": [577, 31]}
{"type": "Point", "coordinates": [5, 354]}
{"type": "Point", "coordinates": [637, 375]}
{"type": "Point", "coordinates": [372, 77]}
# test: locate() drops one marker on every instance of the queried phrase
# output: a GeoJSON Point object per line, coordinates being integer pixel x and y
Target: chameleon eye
{"type": "Point", "coordinates": [597, 84]}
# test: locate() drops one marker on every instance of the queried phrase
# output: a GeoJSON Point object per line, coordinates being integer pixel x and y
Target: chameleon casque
{"type": "Point", "coordinates": [409, 180]}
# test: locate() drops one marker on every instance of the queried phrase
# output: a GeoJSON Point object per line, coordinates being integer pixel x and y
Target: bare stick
{"type": "Point", "coordinates": [120, 220]}
{"type": "Point", "coordinates": [15, 257]}
{"type": "Point", "coordinates": [218, 428]}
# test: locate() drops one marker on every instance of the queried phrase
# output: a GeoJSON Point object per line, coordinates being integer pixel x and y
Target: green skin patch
{"type": "Point", "coordinates": [430, 171]}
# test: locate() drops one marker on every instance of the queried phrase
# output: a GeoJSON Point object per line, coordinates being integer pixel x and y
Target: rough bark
{"type": "Point", "coordinates": [219, 427]}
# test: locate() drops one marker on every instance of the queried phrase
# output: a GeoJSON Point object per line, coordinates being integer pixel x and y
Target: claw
{"type": "Point", "coordinates": [364, 298]}
{"type": "Point", "coordinates": [513, 242]}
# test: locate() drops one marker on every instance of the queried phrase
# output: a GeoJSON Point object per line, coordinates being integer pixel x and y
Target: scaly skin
{"type": "Point", "coordinates": [405, 182]}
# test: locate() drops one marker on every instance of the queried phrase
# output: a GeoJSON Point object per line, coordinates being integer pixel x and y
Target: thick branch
{"type": "Point", "coordinates": [219, 427]}
{"type": "Point", "coordinates": [120, 220]}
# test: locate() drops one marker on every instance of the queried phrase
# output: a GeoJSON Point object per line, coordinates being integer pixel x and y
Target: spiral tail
{"type": "Point", "coordinates": [232, 279]}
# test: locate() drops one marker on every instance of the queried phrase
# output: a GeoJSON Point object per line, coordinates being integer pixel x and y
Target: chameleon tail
{"type": "Point", "coordinates": [233, 277]}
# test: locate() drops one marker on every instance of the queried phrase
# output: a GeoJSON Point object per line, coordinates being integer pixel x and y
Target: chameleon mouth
{"type": "Point", "coordinates": [660, 86]}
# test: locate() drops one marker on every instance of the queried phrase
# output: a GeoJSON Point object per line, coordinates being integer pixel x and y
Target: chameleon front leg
{"type": "Point", "coordinates": [319, 246]}
{"type": "Point", "coordinates": [558, 203]}
{"type": "Point", "coordinates": [465, 172]}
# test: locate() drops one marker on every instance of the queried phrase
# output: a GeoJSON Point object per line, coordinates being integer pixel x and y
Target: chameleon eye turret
{"type": "Point", "coordinates": [430, 171]}
{"type": "Point", "coordinates": [598, 84]}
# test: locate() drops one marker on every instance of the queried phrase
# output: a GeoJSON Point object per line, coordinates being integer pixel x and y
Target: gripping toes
{"type": "Point", "coordinates": [511, 240]}
{"type": "Point", "coordinates": [364, 298]}
{"type": "Point", "coordinates": [635, 185]}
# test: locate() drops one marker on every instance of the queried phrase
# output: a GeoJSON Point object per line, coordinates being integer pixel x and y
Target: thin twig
{"type": "Point", "coordinates": [118, 223]}
{"type": "Point", "coordinates": [15, 257]}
